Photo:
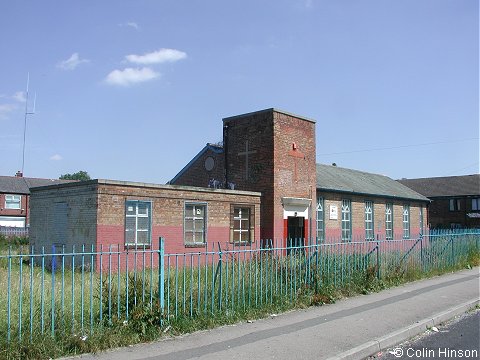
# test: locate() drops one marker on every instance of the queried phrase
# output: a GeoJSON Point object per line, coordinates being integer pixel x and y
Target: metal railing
{"type": "Point", "coordinates": [78, 290]}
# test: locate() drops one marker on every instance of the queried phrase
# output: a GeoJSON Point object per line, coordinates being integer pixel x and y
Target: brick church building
{"type": "Point", "coordinates": [261, 183]}
{"type": "Point", "coordinates": [273, 152]}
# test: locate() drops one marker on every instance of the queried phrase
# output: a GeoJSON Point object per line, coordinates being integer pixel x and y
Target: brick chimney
{"type": "Point", "coordinates": [19, 174]}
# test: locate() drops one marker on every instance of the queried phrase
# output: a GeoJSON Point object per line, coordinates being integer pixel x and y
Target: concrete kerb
{"type": "Point", "coordinates": [374, 346]}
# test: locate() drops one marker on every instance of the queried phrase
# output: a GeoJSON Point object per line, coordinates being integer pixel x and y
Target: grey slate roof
{"type": "Point", "coordinates": [445, 186]}
{"type": "Point", "coordinates": [337, 179]}
{"type": "Point", "coordinates": [22, 185]}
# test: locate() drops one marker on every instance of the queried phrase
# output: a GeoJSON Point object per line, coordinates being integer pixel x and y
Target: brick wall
{"type": "Point", "coordinates": [94, 214]}
{"type": "Point", "coordinates": [294, 165]}
{"type": "Point", "coordinates": [257, 129]}
{"type": "Point", "coordinates": [281, 162]}
{"type": "Point", "coordinates": [64, 215]}
{"type": "Point", "coordinates": [333, 228]}
{"type": "Point", "coordinates": [196, 173]}
{"type": "Point", "coordinates": [442, 217]}
{"type": "Point", "coordinates": [168, 204]}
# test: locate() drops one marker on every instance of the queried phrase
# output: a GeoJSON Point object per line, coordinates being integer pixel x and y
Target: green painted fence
{"type": "Point", "coordinates": [59, 291]}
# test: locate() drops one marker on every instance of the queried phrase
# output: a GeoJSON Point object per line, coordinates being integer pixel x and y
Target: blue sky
{"type": "Point", "coordinates": [132, 90]}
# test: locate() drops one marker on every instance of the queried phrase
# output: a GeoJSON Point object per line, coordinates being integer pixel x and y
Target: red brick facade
{"type": "Point", "coordinates": [272, 152]}
{"type": "Point", "coordinates": [418, 221]}
{"type": "Point", "coordinates": [94, 213]}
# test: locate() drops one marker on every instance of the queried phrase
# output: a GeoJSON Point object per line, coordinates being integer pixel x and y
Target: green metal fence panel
{"type": "Point", "coordinates": [80, 291]}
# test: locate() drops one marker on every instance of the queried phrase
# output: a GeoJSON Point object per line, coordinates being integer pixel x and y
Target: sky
{"type": "Point", "coordinates": [133, 90]}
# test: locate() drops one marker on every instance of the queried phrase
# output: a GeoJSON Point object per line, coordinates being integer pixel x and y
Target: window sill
{"type": "Point", "coordinates": [195, 245]}
{"type": "Point", "coordinates": [243, 243]}
{"type": "Point", "coordinates": [137, 246]}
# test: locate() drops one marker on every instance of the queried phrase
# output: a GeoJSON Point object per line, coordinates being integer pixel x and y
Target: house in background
{"type": "Point", "coordinates": [455, 200]}
{"type": "Point", "coordinates": [15, 198]}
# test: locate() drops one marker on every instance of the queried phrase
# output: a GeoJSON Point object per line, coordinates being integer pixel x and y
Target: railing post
{"type": "Point", "coordinates": [378, 259]}
{"type": "Point", "coordinates": [161, 274]}
{"type": "Point", "coordinates": [219, 274]}
{"type": "Point", "coordinates": [54, 268]}
{"type": "Point", "coordinates": [421, 252]}
{"type": "Point", "coordinates": [453, 250]}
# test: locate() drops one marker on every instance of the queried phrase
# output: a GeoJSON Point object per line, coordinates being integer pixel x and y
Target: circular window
{"type": "Point", "coordinates": [209, 163]}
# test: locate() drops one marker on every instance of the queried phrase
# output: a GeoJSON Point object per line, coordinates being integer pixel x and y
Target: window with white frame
{"type": "Point", "coordinates": [388, 221]}
{"type": "Point", "coordinates": [346, 220]}
{"type": "Point", "coordinates": [454, 205]}
{"type": "Point", "coordinates": [369, 231]}
{"type": "Point", "coordinates": [320, 219]}
{"type": "Point", "coordinates": [138, 222]}
{"type": "Point", "coordinates": [476, 204]}
{"type": "Point", "coordinates": [406, 221]}
{"type": "Point", "coordinates": [13, 202]}
{"type": "Point", "coordinates": [242, 224]}
{"type": "Point", "coordinates": [195, 224]}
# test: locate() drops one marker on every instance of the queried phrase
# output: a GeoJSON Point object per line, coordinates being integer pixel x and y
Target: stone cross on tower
{"type": "Point", "coordinates": [246, 153]}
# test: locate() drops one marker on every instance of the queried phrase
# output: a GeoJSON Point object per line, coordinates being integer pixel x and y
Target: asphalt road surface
{"type": "Point", "coordinates": [457, 339]}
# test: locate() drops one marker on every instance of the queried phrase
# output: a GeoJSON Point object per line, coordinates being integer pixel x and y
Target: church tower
{"type": "Point", "coordinates": [273, 152]}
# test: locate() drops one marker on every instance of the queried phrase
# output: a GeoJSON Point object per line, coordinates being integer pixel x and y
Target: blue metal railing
{"type": "Point", "coordinates": [78, 290]}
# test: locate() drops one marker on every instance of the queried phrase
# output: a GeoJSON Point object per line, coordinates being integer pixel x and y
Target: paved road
{"type": "Point", "coordinates": [458, 338]}
{"type": "Point", "coordinates": [353, 328]}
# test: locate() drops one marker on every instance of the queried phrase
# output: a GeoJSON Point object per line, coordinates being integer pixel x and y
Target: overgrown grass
{"type": "Point", "coordinates": [14, 242]}
{"type": "Point", "coordinates": [90, 314]}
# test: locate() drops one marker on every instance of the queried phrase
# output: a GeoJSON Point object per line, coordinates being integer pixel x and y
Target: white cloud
{"type": "Point", "coordinates": [6, 109]}
{"type": "Point", "coordinates": [130, 76]}
{"type": "Point", "coordinates": [56, 157]}
{"type": "Point", "coordinates": [72, 62]}
{"type": "Point", "coordinates": [133, 25]}
{"type": "Point", "coordinates": [157, 57]}
{"type": "Point", "coordinates": [19, 96]}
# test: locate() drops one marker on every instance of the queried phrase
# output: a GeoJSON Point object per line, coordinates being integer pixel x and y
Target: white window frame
{"type": "Point", "coordinates": [245, 230]}
{"type": "Point", "coordinates": [406, 221]}
{"type": "Point", "coordinates": [389, 221]}
{"type": "Point", "coordinates": [320, 219]}
{"type": "Point", "coordinates": [194, 217]}
{"type": "Point", "coordinates": [454, 205]}
{"type": "Point", "coordinates": [13, 202]}
{"type": "Point", "coordinates": [369, 228]}
{"type": "Point", "coordinates": [476, 204]}
{"type": "Point", "coordinates": [346, 220]}
{"type": "Point", "coordinates": [137, 215]}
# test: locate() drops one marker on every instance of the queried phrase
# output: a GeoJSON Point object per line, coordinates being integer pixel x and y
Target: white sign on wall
{"type": "Point", "coordinates": [333, 212]}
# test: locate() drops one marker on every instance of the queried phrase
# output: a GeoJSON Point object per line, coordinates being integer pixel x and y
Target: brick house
{"type": "Point", "coordinates": [118, 214]}
{"type": "Point", "coordinates": [15, 198]}
{"type": "Point", "coordinates": [273, 152]}
{"type": "Point", "coordinates": [455, 199]}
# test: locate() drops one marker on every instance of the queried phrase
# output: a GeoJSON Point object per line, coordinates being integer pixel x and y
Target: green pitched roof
{"type": "Point", "coordinates": [337, 179]}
